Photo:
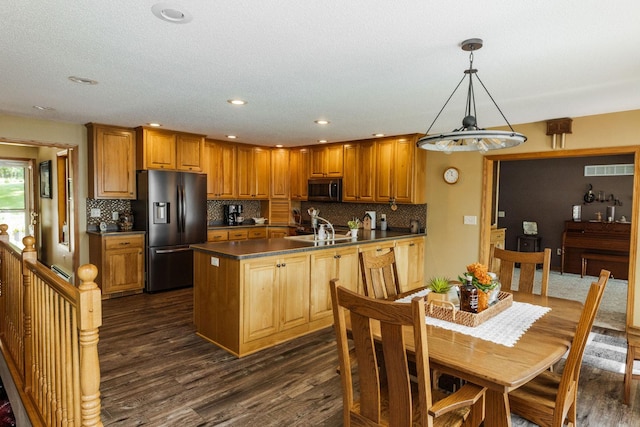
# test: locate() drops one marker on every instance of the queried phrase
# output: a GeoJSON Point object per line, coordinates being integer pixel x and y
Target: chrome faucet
{"type": "Point", "coordinates": [313, 213]}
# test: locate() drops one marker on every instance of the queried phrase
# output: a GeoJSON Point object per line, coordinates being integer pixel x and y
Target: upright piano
{"type": "Point", "coordinates": [610, 238]}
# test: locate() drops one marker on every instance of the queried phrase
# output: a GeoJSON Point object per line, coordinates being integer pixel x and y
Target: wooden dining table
{"type": "Point", "coordinates": [501, 368]}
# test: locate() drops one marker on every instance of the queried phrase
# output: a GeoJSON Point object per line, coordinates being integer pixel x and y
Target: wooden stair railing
{"type": "Point", "coordinates": [49, 337]}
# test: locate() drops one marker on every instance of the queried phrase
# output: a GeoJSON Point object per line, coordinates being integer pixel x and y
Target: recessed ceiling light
{"type": "Point", "coordinates": [378, 135]}
{"type": "Point", "coordinates": [322, 122]}
{"type": "Point", "coordinates": [231, 136]}
{"type": "Point", "coordinates": [82, 80]}
{"type": "Point", "coordinates": [41, 108]}
{"type": "Point", "coordinates": [278, 145]}
{"type": "Point", "coordinates": [322, 141]}
{"type": "Point", "coordinates": [171, 13]}
{"type": "Point", "coordinates": [155, 125]}
{"type": "Point", "coordinates": [237, 101]}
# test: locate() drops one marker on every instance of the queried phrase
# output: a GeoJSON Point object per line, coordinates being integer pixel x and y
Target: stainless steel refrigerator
{"type": "Point", "coordinates": [172, 208]}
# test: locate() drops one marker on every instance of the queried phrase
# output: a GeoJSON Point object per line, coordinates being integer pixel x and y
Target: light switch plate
{"type": "Point", "coordinates": [470, 219]}
{"type": "Point", "coordinates": [95, 212]}
{"type": "Point", "coordinates": [115, 216]}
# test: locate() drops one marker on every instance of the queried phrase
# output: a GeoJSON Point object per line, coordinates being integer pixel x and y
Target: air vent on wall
{"type": "Point", "coordinates": [608, 170]}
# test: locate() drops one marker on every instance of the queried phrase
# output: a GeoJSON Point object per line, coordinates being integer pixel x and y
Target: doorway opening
{"type": "Point", "coordinates": [16, 199]}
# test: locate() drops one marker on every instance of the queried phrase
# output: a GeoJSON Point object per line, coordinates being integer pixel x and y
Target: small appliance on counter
{"type": "Point", "coordinates": [232, 213]}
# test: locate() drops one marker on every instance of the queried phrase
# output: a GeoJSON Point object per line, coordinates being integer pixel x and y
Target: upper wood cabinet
{"type": "Point", "coordinates": [254, 170]}
{"type": "Point", "coordinates": [112, 162]}
{"type": "Point", "coordinates": [299, 173]}
{"type": "Point", "coordinates": [280, 173]}
{"type": "Point", "coordinates": [165, 149]}
{"type": "Point", "coordinates": [400, 170]}
{"type": "Point", "coordinates": [326, 161]}
{"type": "Point", "coordinates": [219, 163]}
{"type": "Point", "coordinates": [359, 171]}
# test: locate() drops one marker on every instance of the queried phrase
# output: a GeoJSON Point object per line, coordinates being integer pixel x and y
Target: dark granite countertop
{"type": "Point", "coordinates": [255, 248]}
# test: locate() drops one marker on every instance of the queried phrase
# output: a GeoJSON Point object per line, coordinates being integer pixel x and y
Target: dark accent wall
{"type": "Point", "coordinates": [545, 191]}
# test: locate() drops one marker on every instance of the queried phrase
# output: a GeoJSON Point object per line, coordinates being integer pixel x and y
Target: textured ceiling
{"type": "Point", "coordinates": [367, 66]}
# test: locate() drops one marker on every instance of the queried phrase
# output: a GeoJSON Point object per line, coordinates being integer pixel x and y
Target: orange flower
{"type": "Point", "coordinates": [480, 273]}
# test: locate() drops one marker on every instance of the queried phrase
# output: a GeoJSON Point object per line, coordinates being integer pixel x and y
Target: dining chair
{"type": "Point", "coordinates": [551, 398]}
{"type": "Point", "coordinates": [379, 274]}
{"type": "Point", "coordinates": [387, 395]}
{"type": "Point", "coordinates": [528, 264]}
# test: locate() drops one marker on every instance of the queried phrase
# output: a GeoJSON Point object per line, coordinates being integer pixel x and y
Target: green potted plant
{"type": "Point", "coordinates": [440, 287]}
{"type": "Point", "coordinates": [353, 225]}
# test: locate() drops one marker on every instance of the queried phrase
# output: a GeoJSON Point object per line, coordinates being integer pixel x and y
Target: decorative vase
{"type": "Point", "coordinates": [354, 233]}
{"type": "Point", "coordinates": [434, 296]}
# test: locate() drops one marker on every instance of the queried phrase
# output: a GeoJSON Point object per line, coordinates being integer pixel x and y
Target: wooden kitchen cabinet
{"type": "Point", "coordinates": [170, 150]}
{"type": "Point", "coordinates": [280, 173]}
{"type": "Point", "coordinates": [326, 161]}
{"type": "Point", "coordinates": [410, 263]}
{"type": "Point", "coordinates": [120, 261]}
{"type": "Point", "coordinates": [358, 183]}
{"type": "Point", "coordinates": [299, 173]}
{"type": "Point", "coordinates": [217, 235]}
{"type": "Point", "coordinates": [257, 233]}
{"type": "Point", "coordinates": [111, 161]}
{"type": "Point", "coordinates": [400, 171]}
{"type": "Point", "coordinates": [239, 234]}
{"type": "Point", "coordinates": [254, 170]}
{"type": "Point", "coordinates": [278, 232]}
{"type": "Point", "coordinates": [276, 294]}
{"type": "Point", "coordinates": [326, 265]}
{"type": "Point", "coordinates": [219, 163]}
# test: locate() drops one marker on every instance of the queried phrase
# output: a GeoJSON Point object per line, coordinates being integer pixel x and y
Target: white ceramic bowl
{"type": "Point", "coordinates": [259, 220]}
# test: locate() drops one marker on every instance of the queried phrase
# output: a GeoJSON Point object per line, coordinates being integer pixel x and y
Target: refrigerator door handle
{"type": "Point", "coordinates": [170, 251]}
{"type": "Point", "coordinates": [180, 221]}
{"type": "Point", "coordinates": [183, 202]}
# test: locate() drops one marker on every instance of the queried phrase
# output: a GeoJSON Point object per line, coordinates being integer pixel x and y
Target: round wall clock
{"type": "Point", "coordinates": [451, 175]}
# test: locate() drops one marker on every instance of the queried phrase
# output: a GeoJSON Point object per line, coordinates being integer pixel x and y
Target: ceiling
{"type": "Point", "coordinates": [366, 66]}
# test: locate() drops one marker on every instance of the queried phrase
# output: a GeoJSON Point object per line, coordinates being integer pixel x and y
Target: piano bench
{"type": "Point", "coordinates": [585, 256]}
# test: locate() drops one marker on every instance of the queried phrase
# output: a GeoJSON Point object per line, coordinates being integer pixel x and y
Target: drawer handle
{"type": "Point", "coordinates": [125, 243]}
{"type": "Point", "coordinates": [379, 250]}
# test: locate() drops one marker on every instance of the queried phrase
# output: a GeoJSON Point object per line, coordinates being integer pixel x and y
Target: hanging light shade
{"type": "Point", "coordinates": [469, 137]}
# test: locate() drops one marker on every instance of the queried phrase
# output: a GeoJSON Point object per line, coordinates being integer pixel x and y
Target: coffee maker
{"type": "Point", "coordinates": [231, 214]}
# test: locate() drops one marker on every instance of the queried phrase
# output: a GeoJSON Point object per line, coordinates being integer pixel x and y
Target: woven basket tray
{"type": "Point", "coordinates": [448, 313]}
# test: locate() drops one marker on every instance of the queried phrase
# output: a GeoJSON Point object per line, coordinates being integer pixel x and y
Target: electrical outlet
{"type": "Point", "coordinates": [95, 213]}
{"type": "Point", "coordinates": [500, 214]}
{"type": "Point", "coordinates": [215, 261]}
{"type": "Point", "coordinates": [470, 220]}
{"type": "Point", "coordinates": [115, 216]}
{"type": "Point", "coordinates": [559, 251]}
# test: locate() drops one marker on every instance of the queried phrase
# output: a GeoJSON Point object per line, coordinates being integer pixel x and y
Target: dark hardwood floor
{"type": "Point", "coordinates": [157, 372]}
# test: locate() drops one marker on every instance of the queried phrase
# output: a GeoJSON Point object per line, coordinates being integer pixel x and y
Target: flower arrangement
{"type": "Point", "coordinates": [480, 277]}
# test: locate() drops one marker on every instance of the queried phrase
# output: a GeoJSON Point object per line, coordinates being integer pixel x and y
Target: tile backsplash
{"type": "Point", "coordinates": [336, 213]}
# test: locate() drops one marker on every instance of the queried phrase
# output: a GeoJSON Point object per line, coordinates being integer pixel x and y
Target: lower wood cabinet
{"type": "Point", "coordinates": [276, 291]}
{"type": "Point", "coordinates": [327, 265]}
{"type": "Point", "coordinates": [410, 263]}
{"type": "Point", "coordinates": [120, 261]}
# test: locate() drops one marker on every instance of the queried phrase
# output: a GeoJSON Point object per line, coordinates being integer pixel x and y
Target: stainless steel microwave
{"type": "Point", "coordinates": [325, 190]}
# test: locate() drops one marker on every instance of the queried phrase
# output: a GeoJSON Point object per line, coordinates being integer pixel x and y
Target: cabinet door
{"type": "Point", "coordinates": [279, 232]}
{"type": "Point", "coordinates": [317, 162]}
{"type": "Point", "coordinates": [334, 161]}
{"type": "Point", "coordinates": [350, 181]}
{"type": "Point", "coordinates": [261, 298]}
{"type": "Point", "coordinates": [410, 263]}
{"type": "Point", "coordinates": [294, 291]}
{"type": "Point", "coordinates": [189, 152]}
{"type": "Point", "coordinates": [323, 269]}
{"type": "Point", "coordinates": [384, 170]}
{"type": "Point", "coordinates": [280, 173]}
{"type": "Point", "coordinates": [347, 268]}
{"type": "Point", "coordinates": [299, 167]}
{"type": "Point", "coordinates": [159, 149]}
{"type": "Point", "coordinates": [220, 166]}
{"type": "Point", "coordinates": [112, 162]}
{"type": "Point", "coordinates": [403, 170]}
{"type": "Point", "coordinates": [262, 173]}
{"type": "Point", "coordinates": [245, 175]}
{"type": "Point", "coordinates": [123, 264]}
{"type": "Point", "coordinates": [217, 235]}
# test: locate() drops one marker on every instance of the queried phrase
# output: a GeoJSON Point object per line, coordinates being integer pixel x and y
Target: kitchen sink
{"type": "Point", "coordinates": [313, 239]}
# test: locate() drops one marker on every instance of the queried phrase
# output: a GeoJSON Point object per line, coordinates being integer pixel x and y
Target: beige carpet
{"type": "Point", "coordinates": [612, 312]}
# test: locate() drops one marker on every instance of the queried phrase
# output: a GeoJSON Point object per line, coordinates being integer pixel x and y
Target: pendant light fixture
{"type": "Point", "coordinates": [469, 137]}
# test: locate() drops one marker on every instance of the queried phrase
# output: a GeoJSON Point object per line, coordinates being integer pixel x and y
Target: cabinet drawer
{"type": "Point", "coordinates": [238, 235]}
{"type": "Point", "coordinates": [217, 235]}
{"type": "Point", "coordinates": [120, 242]}
{"type": "Point", "coordinates": [258, 233]}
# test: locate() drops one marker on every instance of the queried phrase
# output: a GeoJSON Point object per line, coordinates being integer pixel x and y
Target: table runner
{"type": "Point", "coordinates": [505, 328]}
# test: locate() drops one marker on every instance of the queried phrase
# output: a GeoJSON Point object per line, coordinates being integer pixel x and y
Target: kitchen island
{"type": "Point", "coordinates": [253, 294]}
